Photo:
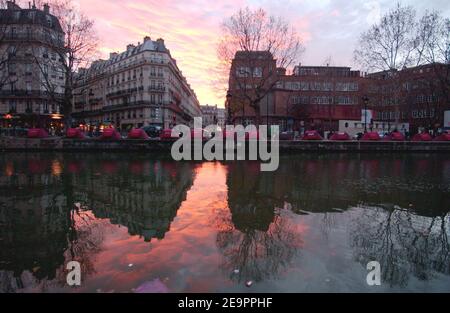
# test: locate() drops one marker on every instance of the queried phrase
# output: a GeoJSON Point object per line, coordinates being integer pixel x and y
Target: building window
{"type": "Point", "coordinates": [12, 106]}
{"type": "Point", "coordinates": [257, 72]}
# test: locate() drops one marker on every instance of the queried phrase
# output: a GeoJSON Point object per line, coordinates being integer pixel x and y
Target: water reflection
{"type": "Point", "coordinates": [49, 215]}
{"type": "Point", "coordinates": [310, 226]}
{"type": "Point", "coordinates": [259, 240]}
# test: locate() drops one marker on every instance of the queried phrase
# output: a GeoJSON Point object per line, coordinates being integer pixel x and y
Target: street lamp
{"type": "Point", "coordinates": [366, 102]}
{"type": "Point", "coordinates": [229, 97]}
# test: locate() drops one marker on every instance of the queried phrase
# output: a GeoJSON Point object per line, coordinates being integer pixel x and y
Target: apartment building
{"type": "Point", "coordinates": [138, 87]}
{"type": "Point", "coordinates": [31, 74]}
{"type": "Point", "coordinates": [212, 115]}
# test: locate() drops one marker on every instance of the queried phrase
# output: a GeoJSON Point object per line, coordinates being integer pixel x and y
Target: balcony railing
{"type": "Point", "coordinates": [131, 105]}
{"type": "Point", "coordinates": [157, 88]}
{"type": "Point", "coordinates": [33, 37]}
{"type": "Point", "coordinates": [27, 93]}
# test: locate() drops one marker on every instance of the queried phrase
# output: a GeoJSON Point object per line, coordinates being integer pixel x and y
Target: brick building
{"type": "Point", "coordinates": [325, 97]}
{"type": "Point", "coordinates": [417, 95]}
{"type": "Point", "coordinates": [312, 96]}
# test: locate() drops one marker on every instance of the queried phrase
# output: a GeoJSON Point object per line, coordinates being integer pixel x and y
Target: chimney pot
{"type": "Point", "coordinates": [46, 8]}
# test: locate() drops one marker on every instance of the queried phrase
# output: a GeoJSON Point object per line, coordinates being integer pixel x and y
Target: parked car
{"type": "Point", "coordinates": [152, 131]}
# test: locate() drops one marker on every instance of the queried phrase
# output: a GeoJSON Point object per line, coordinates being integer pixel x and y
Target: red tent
{"type": "Point", "coordinates": [395, 136]}
{"type": "Point", "coordinates": [443, 137]}
{"type": "Point", "coordinates": [110, 134]}
{"type": "Point", "coordinates": [37, 133]}
{"type": "Point", "coordinates": [137, 133]}
{"type": "Point", "coordinates": [372, 136]}
{"type": "Point", "coordinates": [340, 137]}
{"type": "Point", "coordinates": [422, 137]}
{"type": "Point", "coordinates": [75, 133]}
{"type": "Point", "coordinates": [311, 135]}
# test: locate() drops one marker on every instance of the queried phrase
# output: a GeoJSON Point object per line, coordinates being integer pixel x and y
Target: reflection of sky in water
{"type": "Point", "coordinates": [145, 224]}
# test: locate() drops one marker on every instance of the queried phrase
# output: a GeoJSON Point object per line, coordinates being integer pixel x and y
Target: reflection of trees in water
{"type": "Point", "coordinates": [254, 237]}
{"type": "Point", "coordinates": [405, 244]}
{"type": "Point", "coordinates": [259, 255]}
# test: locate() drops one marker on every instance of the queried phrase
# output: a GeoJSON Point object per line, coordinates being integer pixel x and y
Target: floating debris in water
{"type": "Point", "coordinates": [249, 283]}
{"type": "Point", "coordinates": [154, 286]}
{"type": "Point", "coordinates": [327, 280]}
{"type": "Point", "coordinates": [130, 265]}
{"type": "Point", "coordinates": [236, 271]}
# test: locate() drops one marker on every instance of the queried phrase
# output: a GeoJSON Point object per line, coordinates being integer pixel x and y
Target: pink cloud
{"type": "Point", "coordinates": [190, 30]}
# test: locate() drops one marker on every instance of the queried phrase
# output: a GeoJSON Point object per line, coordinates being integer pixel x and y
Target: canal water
{"type": "Point", "coordinates": [143, 223]}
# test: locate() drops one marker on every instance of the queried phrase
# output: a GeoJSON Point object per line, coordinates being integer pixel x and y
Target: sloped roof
{"type": "Point", "coordinates": [30, 17]}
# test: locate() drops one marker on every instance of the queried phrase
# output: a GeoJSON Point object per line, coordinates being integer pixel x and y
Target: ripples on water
{"type": "Point", "coordinates": [143, 223]}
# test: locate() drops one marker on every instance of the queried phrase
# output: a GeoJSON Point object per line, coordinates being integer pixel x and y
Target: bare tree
{"type": "Point", "coordinates": [389, 44]}
{"type": "Point", "coordinates": [433, 47]}
{"type": "Point", "coordinates": [256, 38]}
{"type": "Point", "coordinates": [79, 49]}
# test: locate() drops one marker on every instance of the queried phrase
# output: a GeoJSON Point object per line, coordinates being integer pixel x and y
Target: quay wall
{"type": "Point", "coordinates": [127, 145]}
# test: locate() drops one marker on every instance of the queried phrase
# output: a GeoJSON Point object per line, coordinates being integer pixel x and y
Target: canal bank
{"type": "Point", "coordinates": [127, 145]}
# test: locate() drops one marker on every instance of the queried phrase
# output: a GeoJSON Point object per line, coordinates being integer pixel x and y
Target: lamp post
{"type": "Point", "coordinates": [228, 104]}
{"type": "Point", "coordinates": [366, 102]}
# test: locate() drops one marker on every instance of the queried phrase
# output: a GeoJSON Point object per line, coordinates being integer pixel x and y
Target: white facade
{"type": "Point", "coordinates": [353, 127]}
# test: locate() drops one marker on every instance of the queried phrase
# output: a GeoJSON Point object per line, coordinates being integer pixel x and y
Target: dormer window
{"type": "Point", "coordinates": [49, 21]}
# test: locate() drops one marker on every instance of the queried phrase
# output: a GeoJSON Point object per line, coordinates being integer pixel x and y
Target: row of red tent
{"type": "Point", "coordinates": [138, 133]}
{"type": "Point", "coordinates": [109, 134]}
{"type": "Point", "coordinates": [374, 136]}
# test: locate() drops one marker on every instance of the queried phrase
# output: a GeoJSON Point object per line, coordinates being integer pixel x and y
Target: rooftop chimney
{"type": "Point", "coordinates": [46, 8]}
{"type": "Point", "coordinates": [147, 38]}
{"type": "Point", "coordinates": [160, 41]}
{"type": "Point", "coordinates": [11, 5]}
{"type": "Point", "coordinates": [112, 55]}
{"type": "Point", "coordinates": [130, 47]}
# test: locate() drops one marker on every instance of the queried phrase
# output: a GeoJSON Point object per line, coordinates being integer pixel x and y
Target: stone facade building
{"type": "Point", "coordinates": [212, 115]}
{"type": "Point", "coordinates": [138, 87]}
{"type": "Point", "coordinates": [31, 73]}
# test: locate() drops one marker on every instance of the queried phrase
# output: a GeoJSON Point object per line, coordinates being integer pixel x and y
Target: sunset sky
{"type": "Point", "coordinates": [191, 29]}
